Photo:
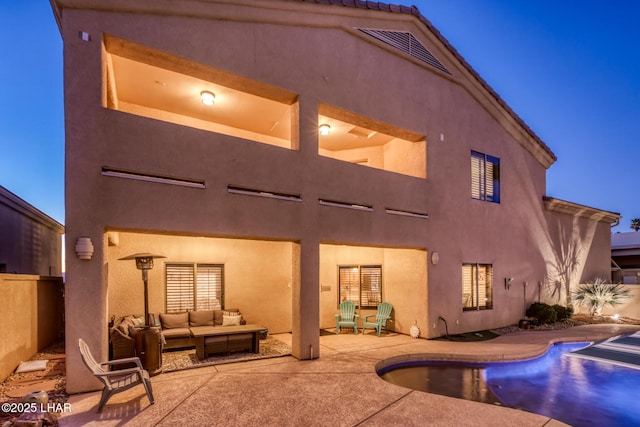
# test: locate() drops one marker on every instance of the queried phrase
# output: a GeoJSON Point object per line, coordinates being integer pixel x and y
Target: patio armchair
{"type": "Point", "coordinates": [347, 317]}
{"type": "Point", "coordinates": [116, 381]}
{"type": "Point", "coordinates": [382, 315]}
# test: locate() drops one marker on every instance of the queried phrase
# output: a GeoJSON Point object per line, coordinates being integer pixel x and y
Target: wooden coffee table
{"type": "Point", "coordinates": [217, 339]}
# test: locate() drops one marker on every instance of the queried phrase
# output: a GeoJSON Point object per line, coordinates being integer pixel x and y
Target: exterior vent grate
{"type": "Point", "coordinates": [263, 193]}
{"type": "Point", "coordinates": [161, 179]}
{"type": "Point", "coordinates": [407, 43]}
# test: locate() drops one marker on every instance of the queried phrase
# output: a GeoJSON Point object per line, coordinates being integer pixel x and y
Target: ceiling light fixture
{"type": "Point", "coordinates": [324, 129]}
{"type": "Point", "coordinates": [208, 98]}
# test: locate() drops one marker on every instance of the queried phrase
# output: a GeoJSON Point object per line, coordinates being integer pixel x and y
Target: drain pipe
{"type": "Point", "coordinates": [446, 328]}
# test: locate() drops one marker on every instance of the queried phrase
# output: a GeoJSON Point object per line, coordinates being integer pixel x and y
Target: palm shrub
{"type": "Point", "coordinates": [598, 294]}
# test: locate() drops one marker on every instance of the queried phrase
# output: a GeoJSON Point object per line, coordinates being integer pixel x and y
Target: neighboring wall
{"type": "Point", "coordinates": [31, 318]}
{"type": "Point", "coordinates": [30, 241]}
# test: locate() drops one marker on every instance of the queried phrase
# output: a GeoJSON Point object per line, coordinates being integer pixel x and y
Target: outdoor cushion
{"type": "Point", "coordinates": [231, 320]}
{"type": "Point", "coordinates": [176, 333]}
{"type": "Point", "coordinates": [218, 314]}
{"type": "Point", "coordinates": [217, 317]}
{"type": "Point", "coordinates": [127, 322]}
{"type": "Point", "coordinates": [201, 318]}
{"type": "Point", "coordinates": [174, 320]}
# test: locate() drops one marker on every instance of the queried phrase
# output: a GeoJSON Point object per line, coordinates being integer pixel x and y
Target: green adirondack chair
{"type": "Point", "coordinates": [347, 317]}
{"type": "Point", "coordinates": [381, 317]}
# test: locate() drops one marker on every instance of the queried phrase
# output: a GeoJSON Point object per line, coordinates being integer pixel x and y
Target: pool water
{"type": "Point", "coordinates": [572, 390]}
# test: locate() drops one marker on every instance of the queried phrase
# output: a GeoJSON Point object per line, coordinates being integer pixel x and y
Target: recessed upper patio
{"type": "Point", "coordinates": [353, 138]}
{"type": "Point", "coordinates": [146, 82]}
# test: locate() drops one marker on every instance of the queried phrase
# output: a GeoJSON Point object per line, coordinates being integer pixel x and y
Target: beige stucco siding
{"type": "Point", "coordinates": [309, 57]}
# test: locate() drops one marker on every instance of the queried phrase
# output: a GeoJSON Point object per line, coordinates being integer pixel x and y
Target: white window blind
{"type": "Point", "coordinates": [209, 287]}
{"type": "Point", "coordinates": [180, 295]}
{"type": "Point", "coordinates": [477, 286]}
{"type": "Point", "coordinates": [194, 286]}
{"type": "Point", "coordinates": [485, 177]}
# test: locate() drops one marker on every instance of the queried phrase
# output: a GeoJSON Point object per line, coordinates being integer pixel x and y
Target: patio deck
{"type": "Point", "coordinates": [339, 389]}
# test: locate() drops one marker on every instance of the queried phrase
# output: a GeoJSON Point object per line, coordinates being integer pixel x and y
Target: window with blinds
{"type": "Point", "coordinates": [477, 286]}
{"type": "Point", "coordinates": [194, 287]}
{"type": "Point", "coordinates": [361, 284]}
{"type": "Point", "coordinates": [485, 177]}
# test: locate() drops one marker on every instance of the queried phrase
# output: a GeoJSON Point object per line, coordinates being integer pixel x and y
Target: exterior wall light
{"type": "Point", "coordinates": [84, 248]}
{"type": "Point", "coordinates": [324, 129]}
{"type": "Point", "coordinates": [208, 98]}
{"type": "Point", "coordinates": [507, 282]}
{"type": "Point", "coordinates": [435, 258]}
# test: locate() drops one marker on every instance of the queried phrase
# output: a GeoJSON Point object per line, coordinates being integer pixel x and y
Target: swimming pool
{"type": "Point", "coordinates": [575, 391]}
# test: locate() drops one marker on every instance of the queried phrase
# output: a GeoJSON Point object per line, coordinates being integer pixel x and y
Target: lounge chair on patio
{"type": "Point", "coordinates": [347, 317]}
{"type": "Point", "coordinates": [116, 381]}
{"type": "Point", "coordinates": [381, 317]}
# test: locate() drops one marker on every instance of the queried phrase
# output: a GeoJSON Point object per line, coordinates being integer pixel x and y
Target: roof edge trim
{"type": "Point", "coordinates": [562, 206]}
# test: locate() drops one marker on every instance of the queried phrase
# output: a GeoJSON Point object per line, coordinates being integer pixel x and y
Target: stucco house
{"type": "Point", "coordinates": [625, 253]}
{"type": "Point", "coordinates": [285, 155]}
{"type": "Point", "coordinates": [30, 240]}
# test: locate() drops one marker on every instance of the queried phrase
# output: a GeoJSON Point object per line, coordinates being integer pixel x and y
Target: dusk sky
{"type": "Point", "coordinates": [569, 68]}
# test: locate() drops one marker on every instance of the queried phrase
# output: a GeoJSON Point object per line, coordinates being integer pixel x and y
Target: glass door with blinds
{"type": "Point", "coordinates": [361, 284]}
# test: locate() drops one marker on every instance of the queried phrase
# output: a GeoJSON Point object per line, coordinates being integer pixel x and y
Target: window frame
{"type": "Point", "coordinates": [182, 279]}
{"type": "Point", "coordinates": [364, 275]}
{"type": "Point", "coordinates": [473, 289]}
{"type": "Point", "coordinates": [485, 177]}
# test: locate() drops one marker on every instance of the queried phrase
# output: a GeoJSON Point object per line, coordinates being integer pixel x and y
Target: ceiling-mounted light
{"type": "Point", "coordinates": [208, 98]}
{"type": "Point", "coordinates": [324, 129]}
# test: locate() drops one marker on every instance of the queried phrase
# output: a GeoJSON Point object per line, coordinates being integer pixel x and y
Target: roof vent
{"type": "Point", "coordinates": [407, 43]}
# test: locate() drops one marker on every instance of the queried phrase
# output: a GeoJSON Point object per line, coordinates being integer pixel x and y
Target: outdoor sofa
{"type": "Point", "coordinates": [176, 329]}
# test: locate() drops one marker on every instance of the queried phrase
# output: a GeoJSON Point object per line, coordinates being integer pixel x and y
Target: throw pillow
{"type": "Point", "coordinates": [138, 321]}
{"type": "Point", "coordinates": [232, 312]}
{"type": "Point", "coordinates": [231, 320]}
{"type": "Point", "coordinates": [125, 323]}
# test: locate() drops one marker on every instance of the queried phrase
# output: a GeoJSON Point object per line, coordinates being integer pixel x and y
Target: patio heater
{"type": "Point", "coordinates": [148, 342]}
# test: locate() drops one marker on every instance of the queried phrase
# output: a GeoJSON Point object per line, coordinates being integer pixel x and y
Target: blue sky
{"type": "Point", "coordinates": [569, 68]}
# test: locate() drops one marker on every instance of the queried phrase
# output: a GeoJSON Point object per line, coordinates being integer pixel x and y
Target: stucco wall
{"type": "Point", "coordinates": [629, 308]}
{"type": "Point", "coordinates": [577, 250]}
{"type": "Point", "coordinates": [31, 317]}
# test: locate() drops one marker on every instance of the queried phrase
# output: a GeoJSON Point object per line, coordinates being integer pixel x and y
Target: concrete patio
{"type": "Point", "coordinates": [341, 388]}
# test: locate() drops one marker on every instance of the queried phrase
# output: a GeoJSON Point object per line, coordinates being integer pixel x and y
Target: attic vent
{"type": "Point", "coordinates": [407, 43]}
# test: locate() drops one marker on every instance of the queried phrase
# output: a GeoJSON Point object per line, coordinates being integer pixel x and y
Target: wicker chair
{"type": "Point", "coordinates": [116, 381]}
{"type": "Point", "coordinates": [122, 346]}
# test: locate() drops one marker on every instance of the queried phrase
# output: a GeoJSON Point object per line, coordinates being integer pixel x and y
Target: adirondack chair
{"type": "Point", "coordinates": [347, 317]}
{"type": "Point", "coordinates": [381, 317]}
{"type": "Point", "coordinates": [116, 381]}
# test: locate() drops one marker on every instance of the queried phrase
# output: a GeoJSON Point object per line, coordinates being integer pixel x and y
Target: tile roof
{"type": "Point", "coordinates": [413, 10]}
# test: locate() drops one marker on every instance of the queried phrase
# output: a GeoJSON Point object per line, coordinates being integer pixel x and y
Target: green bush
{"type": "Point", "coordinates": [563, 312]}
{"type": "Point", "coordinates": [544, 313]}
